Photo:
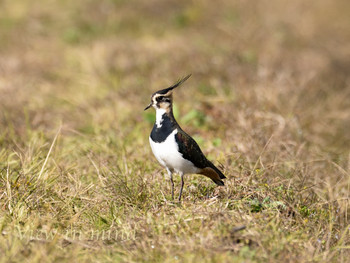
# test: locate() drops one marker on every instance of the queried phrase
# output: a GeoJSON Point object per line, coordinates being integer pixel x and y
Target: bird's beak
{"type": "Point", "coordinates": [148, 106]}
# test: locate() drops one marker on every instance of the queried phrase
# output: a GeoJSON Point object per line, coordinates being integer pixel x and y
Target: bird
{"type": "Point", "coordinates": [174, 149]}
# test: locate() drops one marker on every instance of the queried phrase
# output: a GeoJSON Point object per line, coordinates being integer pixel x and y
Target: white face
{"type": "Point", "coordinates": [163, 99]}
{"type": "Point", "coordinates": [160, 101]}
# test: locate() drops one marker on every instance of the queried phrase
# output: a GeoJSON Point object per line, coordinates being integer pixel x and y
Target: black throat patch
{"type": "Point", "coordinates": [167, 126]}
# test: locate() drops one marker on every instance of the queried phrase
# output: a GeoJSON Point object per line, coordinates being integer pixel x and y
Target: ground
{"type": "Point", "coordinates": [268, 102]}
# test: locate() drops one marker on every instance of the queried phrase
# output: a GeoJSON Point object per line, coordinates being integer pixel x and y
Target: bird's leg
{"type": "Point", "coordinates": [182, 185]}
{"type": "Point", "coordinates": [172, 183]}
{"type": "Point", "coordinates": [172, 187]}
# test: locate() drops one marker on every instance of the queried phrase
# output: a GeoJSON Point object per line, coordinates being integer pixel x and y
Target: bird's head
{"type": "Point", "coordinates": [163, 99]}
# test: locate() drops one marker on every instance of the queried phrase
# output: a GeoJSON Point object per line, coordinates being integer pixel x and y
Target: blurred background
{"type": "Point", "coordinates": [93, 65]}
{"type": "Point", "coordinates": [269, 100]}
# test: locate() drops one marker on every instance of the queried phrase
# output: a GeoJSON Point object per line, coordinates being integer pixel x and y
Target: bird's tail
{"type": "Point", "coordinates": [213, 173]}
{"type": "Point", "coordinates": [222, 176]}
{"type": "Point", "coordinates": [218, 182]}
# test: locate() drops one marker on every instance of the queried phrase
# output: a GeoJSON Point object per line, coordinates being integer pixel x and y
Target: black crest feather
{"type": "Point", "coordinates": [178, 83]}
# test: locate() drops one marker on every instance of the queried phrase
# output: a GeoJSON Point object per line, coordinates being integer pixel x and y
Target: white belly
{"type": "Point", "coordinates": [168, 155]}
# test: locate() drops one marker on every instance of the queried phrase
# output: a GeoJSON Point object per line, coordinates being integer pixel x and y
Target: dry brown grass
{"type": "Point", "coordinates": [269, 101]}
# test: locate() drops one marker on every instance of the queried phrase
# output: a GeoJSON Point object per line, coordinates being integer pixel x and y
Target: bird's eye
{"type": "Point", "coordinates": [160, 98]}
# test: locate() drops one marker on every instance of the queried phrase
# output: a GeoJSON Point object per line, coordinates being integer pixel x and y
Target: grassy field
{"type": "Point", "coordinates": [268, 102]}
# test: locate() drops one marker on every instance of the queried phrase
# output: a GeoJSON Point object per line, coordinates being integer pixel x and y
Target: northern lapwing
{"type": "Point", "coordinates": [175, 149]}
